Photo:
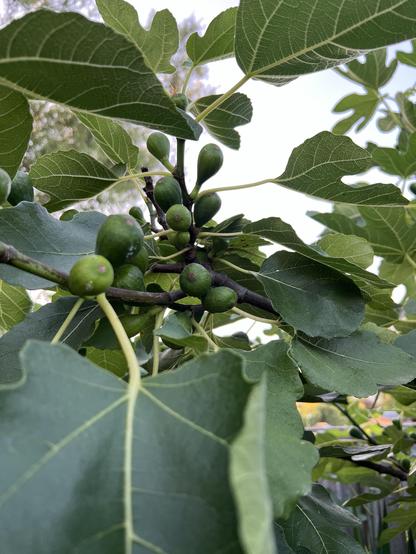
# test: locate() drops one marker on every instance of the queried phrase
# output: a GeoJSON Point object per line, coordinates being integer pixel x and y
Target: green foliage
{"type": "Point", "coordinates": [154, 426]}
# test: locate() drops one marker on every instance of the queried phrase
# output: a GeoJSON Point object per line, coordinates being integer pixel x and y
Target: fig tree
{"type": "Point", "coordinates": [90, 276]}
{"type": "Point", "coordinates": [219, 299]}
{"type": "Point", "coordinates": [119, 238]}
{"type": "Point", "coordinates": [167, 193]}
{"type": "Point", "coordinates": [5, 185]}
{"type": "Point", "coordinates": [178, 218]}
{"type": "Point", "coordinates": [195, 280]}
{"type": "Point", "coordinates": [206, 207]}
{"type": "Point", "coordinates": [128, 276]}
{"type": "Point", "coordinates": [21, 189]}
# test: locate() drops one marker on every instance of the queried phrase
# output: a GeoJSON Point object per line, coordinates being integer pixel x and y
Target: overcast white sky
{"type": "Point", "coordinates": [283, 118]}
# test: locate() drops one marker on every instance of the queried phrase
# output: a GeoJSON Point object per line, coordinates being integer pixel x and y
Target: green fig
{"type": "Point", "coordinates": [119, 238]}
{"type": "Point", "coordinates": [5, 185]}
{"type": "Point", "coordinates": [21, 189]}
{"type": "Point", "coordinates": [90, 276]}
{"type": "Point", "coordinates": [141, 259]}
{"type": "Point", "coordinates": [128, 276]}
{"type": "Point", "coordinates": [356, 433]}
{"type": "Point", "coordinates": [195, 280]}
{"type": "Point", "coordinates": [412, 188]}
{"type": "Point", "coordinates": [181, 101]}
{"type": "Point", "coordinates": [69, 215]}
{"type": "Point", "coordinates": [180, 239]}
{"type": "Point", "coordinates": [206, 207]}
{"type": "Point", "coordinates": [159, 146]}
{"type": "Point", "coordinates": [137, 213]}
{"type": "Point", "coordinates": [219, 299]}
{"type": "Point", "coordinates": [179, 218]}
{"type": "Point", "coordinates": [210, 161]}
{"type": "Point", "coordinates": [167, 193]}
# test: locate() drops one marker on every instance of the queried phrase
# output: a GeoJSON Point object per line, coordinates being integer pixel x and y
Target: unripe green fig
{"type": "Point", "coordinates": [128, 276]}
{"type": "Point", "coordinates": [159, 146]}
{"type": "Point", "coordinates": [356, 433]}
{"type": "Point", "coordinates": [219, 299]}
{"type": "Point", "coordinates": [413, 436]}
{"type": "Point", "coordinates": [68, 215]}
{"type": "Point", "coordinates": [405, 463]}
{"type": "Point", "coordinates": [179, 218]}
{"type": "Point", "coordinates": [195, 280]}
{"type": "Point", "coordinates": [397, 423]}
{"type": "Point", "coordinates": [180, 239]}
{"type": "Point", "coordinates": [412, 188]}
{"type": "Point", "coordinates": [137, 213]}
{"type": "Point", "coordinates": [90, 276]}
{"type": "Point", "coordinates": [132, 323]}
{"type": "Point", "coordinates": [206, 207]}
{"type": "Point", "coordinates": [180, 100]}
{"type": "Point", "coordinates": [167, 193]}
{"type": "Point", "coordinates": [141, 259]}
{"type": "Point", "coordinates": [21, 189]}
{"type": "Point", "coordinates": [119, 238]}
{"type": "Point", "coordinates": [210, 161]}
{"type": "Point", "coordinates": [5, 185]}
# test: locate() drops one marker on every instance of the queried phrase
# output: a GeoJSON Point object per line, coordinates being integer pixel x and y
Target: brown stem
{"type": "Point", "coordinates": [382, 468]}
{"type": "Point", "coordinates": [245, 296]}
{"type": "Point", "coordinates": [149, 191]}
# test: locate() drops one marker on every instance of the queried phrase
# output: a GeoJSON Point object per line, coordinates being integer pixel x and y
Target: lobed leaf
{"type": "Point", "coordinates": [373, 72]}
{"type": "Point", "coordinates": [34, 232]}
{"type": "Point", "coordinates": [69, 176]}
{"type": "Point", "coordinates": [277, 42]}
{"type": "Point", "coordinates": [16, 127]}
{"type": "Point", "coordinates": [114, 141]}
{"type": "Point", "coordinates": [217, 42]}
{"type": "Point", "coordinates": [363, 106]}
{"type": "Point", "coordinates": [101, 72]}
{"type": "Point", "coordinates": [354, 365]}
{"type": "Point", "coordinates": [316, 167]}
{"type": "Point", "coordinates": [158, 44]}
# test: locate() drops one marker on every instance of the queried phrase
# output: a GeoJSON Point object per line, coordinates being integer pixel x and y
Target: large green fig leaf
{"type": "Point", "coordinates": [317, 166]}
{"type": "Point", "coordinates": [356, 250]}
{"type": "Point", "coordinates": [221, 122]}
{"type": "Point", "coordinates": [248, 476]}
{"type": "Point", "coordinates": [289, 459]}
{"type": "Point", "coordinates": [70, 176]}
{"type": "Point", "coordinates": [218, 41]}
{"type": "Point", "coordinates": [115, 141]}
{"type": "Point", "coordinates": [158, 44]}
{"type": "Point", "coordinates": [317, 526]}
{"type": "Point", "coordinates": [354, 365]}
{"type": "Point", "coordinates": [394, 162]}
{"type": "Point", "coordinates": [15, 304]}
{"type": "Point", "coordinates": [279, 41]}
{"type": "Point", "coordinates": [408, 58]}
{"type": "Point", "coordinates": [363, 106]}
{"type": "Point", "coordinates": [311, 297]}
{"type": "Point", "coordinates": [29, 228]}
{"type": "Point", "coordinates": [16, 126]}
{"type": "Point", "coordinates": [388, 230]}
{"type": "Point", "coordinates": [156, 482]}
{"type": "Point", "coordinates": [43, 325]}
{"type": "Point", "coordinates": [373, 72]}
{"type": "Point", "coordinates": [278, 231]}
{"type": "Point", "coordinates": [65, 58]}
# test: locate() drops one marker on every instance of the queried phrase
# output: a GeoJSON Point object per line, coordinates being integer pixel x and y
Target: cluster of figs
{"type": "Point", "coordinates": [121, 257]}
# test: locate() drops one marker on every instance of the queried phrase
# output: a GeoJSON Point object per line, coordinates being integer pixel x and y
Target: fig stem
{"type": "Point", "coordinates": [237, 187]}
{"type": "Point", "coordinates": [233, 266]}
{"type": "Point", "coordinates": [156, 344]}
{"type": "Point", "coordinates": [67, 321]}
{"type": "Point", "coordinates": [255, 317]}
{"type": "Point", "coordinates": [204, 334]}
